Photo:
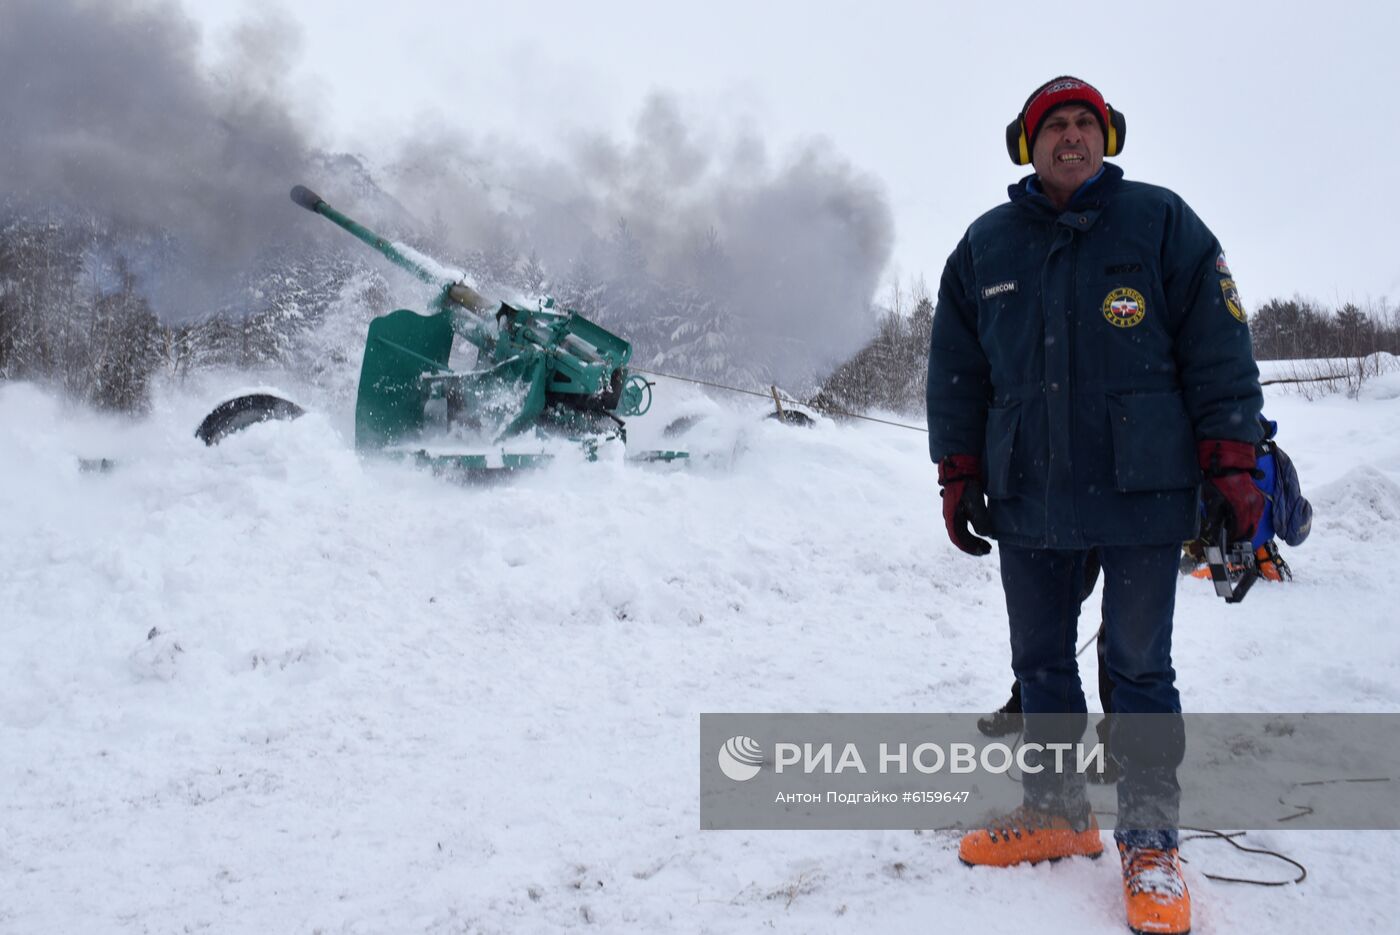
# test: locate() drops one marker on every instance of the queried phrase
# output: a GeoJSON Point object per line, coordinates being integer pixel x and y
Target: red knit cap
{"type": "Point", "coordinates": [1058, 92]}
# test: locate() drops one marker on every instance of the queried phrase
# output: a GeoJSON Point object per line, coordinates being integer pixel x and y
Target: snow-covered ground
{"type": "Point", "coordinates": [270, 687]}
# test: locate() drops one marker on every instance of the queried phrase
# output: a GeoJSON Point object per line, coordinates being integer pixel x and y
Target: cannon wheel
{"type": "Point", "coordinates": [242, 411]}
{"type": "Point", "coordinates": [679, 427]}
{"type": "Point", "coordinates": [792, 417]}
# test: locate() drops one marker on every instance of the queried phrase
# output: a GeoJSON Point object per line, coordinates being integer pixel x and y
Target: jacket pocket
{"type": "Point", "coordinates": [1154, 447]}
{"type": "Point", "coordinates": [1002, 423]}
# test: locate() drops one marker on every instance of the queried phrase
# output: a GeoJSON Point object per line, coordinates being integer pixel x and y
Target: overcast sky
{"type": "Point", "coordinates": [1276, 121]}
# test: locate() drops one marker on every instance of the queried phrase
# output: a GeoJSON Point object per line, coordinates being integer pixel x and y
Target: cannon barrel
{"type": "Point", "coordinates": [458, 292]}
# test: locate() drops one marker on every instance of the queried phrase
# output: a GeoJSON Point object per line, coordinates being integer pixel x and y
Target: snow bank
{"type": "Point", "coordinates": [269, 686]}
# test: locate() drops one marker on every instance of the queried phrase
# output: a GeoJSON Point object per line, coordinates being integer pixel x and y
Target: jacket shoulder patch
{"type": "Point", "coordinates": [1001, 288]}
{"type": "Point", "coordinates": [1232, 298]}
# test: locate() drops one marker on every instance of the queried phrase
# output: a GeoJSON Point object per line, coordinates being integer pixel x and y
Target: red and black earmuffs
{"type": "Point", "coordinates": [1020, 133]}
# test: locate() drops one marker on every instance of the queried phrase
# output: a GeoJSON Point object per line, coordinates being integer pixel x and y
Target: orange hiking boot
{"type": "Point", "coordinates": [1271, 565]}
{"type": "Point", "coordinates": [1158, 903]}
{"type": "Point", "coordinates": [1028, 836]}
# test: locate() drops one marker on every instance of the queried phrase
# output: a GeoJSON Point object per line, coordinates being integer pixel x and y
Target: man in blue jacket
{"type": "Point", "coordinates": [1090, 372]}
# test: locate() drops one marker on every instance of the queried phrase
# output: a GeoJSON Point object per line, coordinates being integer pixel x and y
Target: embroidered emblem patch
{"type": "Point", "coordinates": [1221, 266]}
{"type": "Point", "coordinates": [1124, 308]}
{"type": "Point", "coordinates": [1001, 288]}
{"type": "Point", "coordinates": [1232, 298]}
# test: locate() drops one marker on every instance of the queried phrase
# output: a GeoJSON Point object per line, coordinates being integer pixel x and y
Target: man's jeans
{"type": "Point", "coordinates": [1042, 602]}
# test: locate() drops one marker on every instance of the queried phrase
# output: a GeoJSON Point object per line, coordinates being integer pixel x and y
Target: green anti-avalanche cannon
{"type": "Point", "coordinates": [537, 370]}
{"type": "Point", "coordinates": [539, 375]}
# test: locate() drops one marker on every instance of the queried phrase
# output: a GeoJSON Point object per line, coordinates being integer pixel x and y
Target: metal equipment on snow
{"type": "Point", "coordinates": [545, 371]}
{"type": "Point", "coordinates": [540, 374]}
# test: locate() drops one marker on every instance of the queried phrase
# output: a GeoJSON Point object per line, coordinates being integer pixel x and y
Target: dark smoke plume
{"type": "Point", "coordinates": [803, 240]}
{"type": "Point", "coordinates": [106, 107]}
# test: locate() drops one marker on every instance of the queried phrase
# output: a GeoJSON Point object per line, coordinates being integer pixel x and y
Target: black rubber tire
{"type": "Point", "coordinates": [792, 417]}
{"type": "Point", "coordinates": [679, 427]}
{"type": "Point", "coordinates": [242, 411]}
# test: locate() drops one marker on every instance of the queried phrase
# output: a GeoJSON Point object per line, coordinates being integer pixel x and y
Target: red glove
{"type": "Point", "coordinates": [1229, 494]}
{"type": "Point", "coordinates": [963, 500]}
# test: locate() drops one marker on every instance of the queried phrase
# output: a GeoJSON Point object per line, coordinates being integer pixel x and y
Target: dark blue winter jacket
{"type": "Point", "coordinates": [1083, 353]}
